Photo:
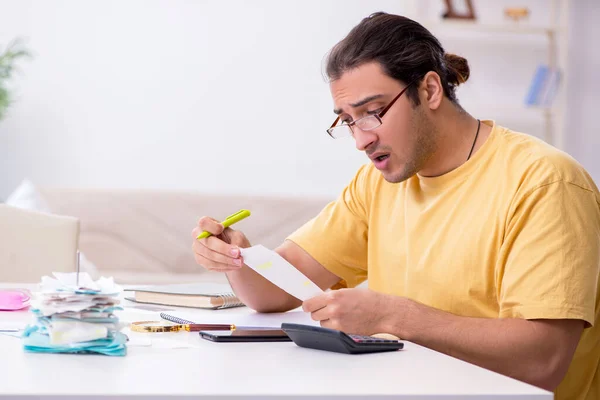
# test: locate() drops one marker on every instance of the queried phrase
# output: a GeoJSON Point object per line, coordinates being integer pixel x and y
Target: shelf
{"type": "Point", "coordinates": [550, 31]}
{"type": "Point", "coordinates": [517, 28]}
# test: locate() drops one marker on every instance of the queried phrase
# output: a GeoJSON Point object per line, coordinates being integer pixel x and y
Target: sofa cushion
{"type": "Point", "coordinates": [144, 236]}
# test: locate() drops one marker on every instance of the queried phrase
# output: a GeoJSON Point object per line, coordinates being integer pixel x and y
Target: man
{"type": "Point", "coordinates": [478, 242]}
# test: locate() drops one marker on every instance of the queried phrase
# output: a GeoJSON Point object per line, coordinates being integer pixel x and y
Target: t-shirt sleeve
{"type": "Point", "coordinates": [550, 257]}
{"type": "Point", "coordinates": [337, 237]}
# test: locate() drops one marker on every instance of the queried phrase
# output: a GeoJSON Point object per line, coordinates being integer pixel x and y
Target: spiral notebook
{"type": "Point", "coordinates": [197, 295]}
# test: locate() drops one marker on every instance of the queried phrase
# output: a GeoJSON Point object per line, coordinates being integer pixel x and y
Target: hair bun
{"type": "Point", "coordinates": [458, 69]}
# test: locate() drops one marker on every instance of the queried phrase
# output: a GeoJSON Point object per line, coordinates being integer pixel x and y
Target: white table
{"type": "Point", "coordinates": [249, 370]}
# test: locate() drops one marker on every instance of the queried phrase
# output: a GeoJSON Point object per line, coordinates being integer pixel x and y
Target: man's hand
{"type": "Point", "coordinates": [221, 251]}
{"type": "Point", "coordinates": [544, 348]}
{"type": "Point", "coordinates": [356, 311]}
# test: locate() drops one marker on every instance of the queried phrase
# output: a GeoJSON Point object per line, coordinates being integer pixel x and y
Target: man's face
{"type": "Point", "coordinates": [401, 146]}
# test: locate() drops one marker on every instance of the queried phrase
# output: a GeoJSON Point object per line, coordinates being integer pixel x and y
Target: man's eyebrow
{"type": "Point", "coordinates": [360, 102]}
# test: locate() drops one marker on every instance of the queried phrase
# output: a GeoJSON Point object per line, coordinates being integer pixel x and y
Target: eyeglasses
{"type": "Point", "coordinates": [366, 123]}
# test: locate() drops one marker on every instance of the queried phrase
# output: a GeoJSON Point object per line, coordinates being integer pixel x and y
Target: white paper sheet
{"type": "Point", "coordinates": [68, 281]}
{"type": "Point", "coordinates": [179, 340]}
{"type": "Point", "coordinates": [280, 272]}
{"type": "Point", "coordinates": [12, 328]}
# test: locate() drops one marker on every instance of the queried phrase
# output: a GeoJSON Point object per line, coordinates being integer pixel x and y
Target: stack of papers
{"type": "Point", "coordinates": [74, 314]}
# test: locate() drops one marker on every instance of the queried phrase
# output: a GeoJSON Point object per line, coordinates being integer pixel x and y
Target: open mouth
{"type": "Point", "coordinates": [382, 157]}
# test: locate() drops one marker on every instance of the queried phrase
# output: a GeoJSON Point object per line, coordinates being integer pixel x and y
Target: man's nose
{"type": "Point", "coordinates": [362, 138]}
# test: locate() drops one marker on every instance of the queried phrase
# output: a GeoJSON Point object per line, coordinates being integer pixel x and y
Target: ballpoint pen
{"type": "Point", "coordinates": [156, 326]}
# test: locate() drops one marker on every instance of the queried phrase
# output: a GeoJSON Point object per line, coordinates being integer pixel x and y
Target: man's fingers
{"type": "Point", "coordinates": [213, 265]}
{"type": "Point", "coordinates": [217, 245]}
{"type": "Point", "coordinates": [331, 324]}
{"type": "Point", "coordinates": [221, 250]}
{"type": "Point", "coordinates": [320, 315]}
{"type": "Point", "coordinates": [315, 303]}
{"type": "Point", "coordinates": [210, 225]}
{"type": "Point", "coordinates": [201, 248]}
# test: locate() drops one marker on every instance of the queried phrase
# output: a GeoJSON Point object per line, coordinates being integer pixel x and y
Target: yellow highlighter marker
{"type": "Point", "coordinates": [232, 219]}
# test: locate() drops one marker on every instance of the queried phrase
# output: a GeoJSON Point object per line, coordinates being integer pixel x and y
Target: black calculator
{"type": "Point", "coordinates": [315, 337]}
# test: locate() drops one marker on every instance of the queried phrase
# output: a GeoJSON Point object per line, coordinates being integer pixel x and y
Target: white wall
{"type": "Point", "coordinates": [220, 96]}
{"type": "Point", "coordinates": [200, 95]}
{"type": "Point", "coordinates": [583, 93]}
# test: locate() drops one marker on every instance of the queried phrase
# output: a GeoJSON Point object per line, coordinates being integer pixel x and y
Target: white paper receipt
{"type": "Point", "coordinates": [280, 272]}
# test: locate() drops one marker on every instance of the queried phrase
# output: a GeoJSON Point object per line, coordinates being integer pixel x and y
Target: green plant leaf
{"type": "Point", "coordinates": [14, 51]}
{"type": "Point", "coordinates": [4, 101]}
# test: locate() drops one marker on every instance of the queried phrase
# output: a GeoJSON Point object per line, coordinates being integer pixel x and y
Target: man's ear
{"type": "Point", "coordinates": [431, 90]}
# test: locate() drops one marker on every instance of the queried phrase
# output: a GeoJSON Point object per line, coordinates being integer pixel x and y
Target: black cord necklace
{"type": "Point", "coordinates": [474, 141]}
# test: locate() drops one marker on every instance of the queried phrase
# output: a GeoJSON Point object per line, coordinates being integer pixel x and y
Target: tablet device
{"type": "Point", "coordinates": [246, 335]}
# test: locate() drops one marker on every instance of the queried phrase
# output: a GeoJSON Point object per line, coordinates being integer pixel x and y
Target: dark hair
{"type": "Point", "coordinates": [405, 49]}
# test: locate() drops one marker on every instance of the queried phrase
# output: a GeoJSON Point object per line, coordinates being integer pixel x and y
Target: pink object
{"type": "Point", "coordinates": [12, 300]}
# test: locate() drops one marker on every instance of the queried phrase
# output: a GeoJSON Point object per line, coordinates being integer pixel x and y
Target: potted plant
{"type": "Point", "coordinates": [8, 58]}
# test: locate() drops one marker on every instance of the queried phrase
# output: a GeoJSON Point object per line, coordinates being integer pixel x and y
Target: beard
{"type": "Point", "coordinates": [424, 147]}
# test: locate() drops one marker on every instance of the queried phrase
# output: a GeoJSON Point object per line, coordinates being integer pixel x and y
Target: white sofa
{"type": "Point", "coordinates": [145, 236]}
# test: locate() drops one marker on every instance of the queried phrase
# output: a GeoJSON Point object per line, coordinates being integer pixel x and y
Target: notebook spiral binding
{"type": "Point", "coordinates": [230, 300]}
{"type": "Point", "coordinates": [171, 318]}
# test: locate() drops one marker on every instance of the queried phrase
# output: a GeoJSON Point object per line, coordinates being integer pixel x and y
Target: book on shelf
{"type": "Point", "coordinates": [197, 295]}
{"type": "Point", "coordinates": [544, 87]}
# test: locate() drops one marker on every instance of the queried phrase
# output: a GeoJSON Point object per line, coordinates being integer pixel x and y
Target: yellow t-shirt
{"type": "Point", "coordinates": [512, 233]}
